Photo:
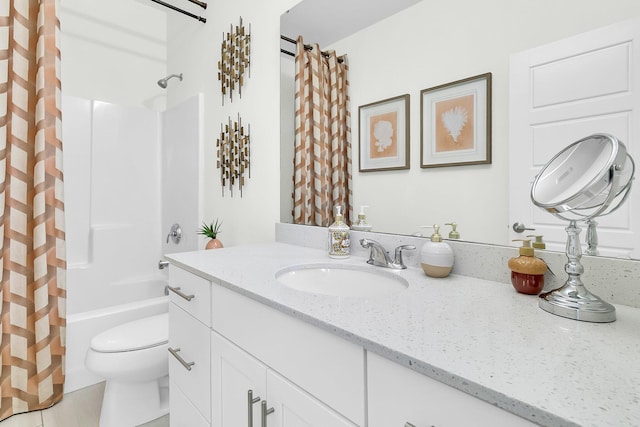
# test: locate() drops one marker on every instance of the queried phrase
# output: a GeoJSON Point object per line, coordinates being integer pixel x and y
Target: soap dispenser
{"type": "Point", "coordinates": [436, 257]}
{"type": "Point", "coordinates": [527, 270]}
{"type": "Point", "coordinates": [537, 243]}
{"type": "Point", "coordinates": [453, 234]}
{"type": "Point", "coordinates": [361, 224]}
{"type": "Point", "coordinates": [339, 239]}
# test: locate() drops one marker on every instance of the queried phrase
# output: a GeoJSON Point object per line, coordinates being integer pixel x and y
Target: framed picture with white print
{"type": "Point", "coordinates": [455, 123]}
{"type": "Point", "coordinates": [384, 135]}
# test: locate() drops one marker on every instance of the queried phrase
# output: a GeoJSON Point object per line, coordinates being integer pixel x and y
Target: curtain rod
{"type": "Point", "coordinates": [306, 47]}
{"type": "Point", "coordinates": [184, 12]}
{"type": "Point", "coordinates": [199, 3]}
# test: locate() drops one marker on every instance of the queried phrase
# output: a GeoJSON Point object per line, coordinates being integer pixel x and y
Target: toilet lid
{"type": "Point", "coordinates": [136, 335]}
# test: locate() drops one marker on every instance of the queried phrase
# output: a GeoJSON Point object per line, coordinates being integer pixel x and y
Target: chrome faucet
{"type": "Point", "coordinates": [380, 257]}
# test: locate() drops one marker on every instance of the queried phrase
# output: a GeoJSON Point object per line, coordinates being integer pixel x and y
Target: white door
{"type": "Point", "coordinates": [233, 374]}
{"type": "Point", "coordinates": [560, 93]}
{"type": "Point", "coordinates": [292, 407]}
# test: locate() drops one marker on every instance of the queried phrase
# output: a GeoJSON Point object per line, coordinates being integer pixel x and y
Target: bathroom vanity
{"type": "Point", "coordinates": [454, 351]}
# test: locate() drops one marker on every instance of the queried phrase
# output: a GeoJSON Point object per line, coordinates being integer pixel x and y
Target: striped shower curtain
{"type": "Point", "coordinates": [32, 287]}
{"type": "Point", "coordinates": [322, 163]}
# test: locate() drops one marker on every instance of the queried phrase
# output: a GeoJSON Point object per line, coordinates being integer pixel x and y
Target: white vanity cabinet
{"type": "Point", "coordinates": [234, 358]}
{"type": "Point", "coordinates": [401, 397]}
{"type": "Point", "coordinates": [301, 374]}
{"type": "Point", "coordinates": [189, 347]}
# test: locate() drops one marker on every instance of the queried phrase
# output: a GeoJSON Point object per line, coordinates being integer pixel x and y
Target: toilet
{"type": "Point", "coordinates": [132, 357]}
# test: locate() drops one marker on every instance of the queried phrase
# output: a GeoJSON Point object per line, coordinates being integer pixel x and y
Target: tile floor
{"type": "Point", "coordinates": [78, 409]}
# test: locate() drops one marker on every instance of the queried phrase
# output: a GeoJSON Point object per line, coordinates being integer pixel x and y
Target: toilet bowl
{"type": "Point", "coordinates": [132, 358]}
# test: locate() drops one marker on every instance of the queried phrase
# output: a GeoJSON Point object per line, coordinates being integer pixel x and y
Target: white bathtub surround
{"type": "Point", "coordinates": [118, 160]}
{"type": "Point", "coordinates": [182, 184]}
{"type": "Point", "coordinates": [479, 336]}
{"type": "Point", "coordinates": [614, 279]}
{"type": "Point", "coordinates": [112, 178]}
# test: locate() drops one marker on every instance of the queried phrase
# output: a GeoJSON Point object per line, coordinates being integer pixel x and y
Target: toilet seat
{"type": "Point", "coordinates": [135, 335]}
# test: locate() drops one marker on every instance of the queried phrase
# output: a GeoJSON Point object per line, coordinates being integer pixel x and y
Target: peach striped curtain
{"type": "Point", "coordinates": [322, 163]}
{"type": "Point", "coordinates": [32, 315]}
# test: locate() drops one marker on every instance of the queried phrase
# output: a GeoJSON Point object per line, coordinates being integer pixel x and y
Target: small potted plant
{"type": "Point", "coordinates": [211, 231]}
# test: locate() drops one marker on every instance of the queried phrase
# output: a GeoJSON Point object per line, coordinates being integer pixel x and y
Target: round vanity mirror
{"type": "Point", "coordinates": [584, 178]}
{"type": "Point", "coordinates": [589, 178]}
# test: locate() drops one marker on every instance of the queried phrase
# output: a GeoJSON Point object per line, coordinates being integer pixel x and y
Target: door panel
{"type": "Point", "coordinates": [294, 407]}
{"type": "Point", "coordinates": [560, 93]}
{"type": "Point", "coordinates": [233, 374]}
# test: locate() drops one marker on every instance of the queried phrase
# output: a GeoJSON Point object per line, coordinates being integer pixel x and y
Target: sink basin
{"type": "Point", "coordinates": [341, 280]}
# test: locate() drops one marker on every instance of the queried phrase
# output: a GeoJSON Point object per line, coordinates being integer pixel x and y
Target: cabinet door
{"type": "Point", "coordinates": [182, 413]}
{"type": "Point", "coordinates": [293, 407]}
{"type": "Point", "coordinates": [233, 373]}
{"type": "Point", "coordinates": [399, 395]}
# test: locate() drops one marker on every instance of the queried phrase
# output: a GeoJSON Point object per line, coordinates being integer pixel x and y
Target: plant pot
{"type": "Point", "coordinates": [214, 244]}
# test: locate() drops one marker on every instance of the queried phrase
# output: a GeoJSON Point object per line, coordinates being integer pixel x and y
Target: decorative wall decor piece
{"type": "Point", "coordinates": [455, 125]}
{"type": "Point", "coordinates": [384, 134]}
{"type": "Point", "coordinates": [234, 151]}
{"type": "Point", "coordinates": [235, 60]}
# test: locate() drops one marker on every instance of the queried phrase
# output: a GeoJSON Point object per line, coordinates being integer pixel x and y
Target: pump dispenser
{"type": "Point", "coordinates": [527, 270]}
{"type": "Point", "coordinates": [537, 243]}
{"type": "Point", "coordinates": [436, 257]}
{"type": "Point", "coordinates": [361, 224]}
{"type": "Point", "coordinates": [453, 234]}
{"type": "Point", "coordinates": [339, 238]}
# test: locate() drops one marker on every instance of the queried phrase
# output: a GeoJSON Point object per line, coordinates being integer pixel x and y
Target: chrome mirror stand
{"type": "Point", "coordinates": [573, 300]}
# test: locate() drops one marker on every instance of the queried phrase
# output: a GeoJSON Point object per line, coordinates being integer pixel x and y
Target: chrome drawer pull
{"type": "Point", "coordinates": [184, 363]}
{"type": "Point", "coordinates": [177, 291]}
{"type": "Point", "coordinates": [265, 412]}
{"type": "Point", "coordinates": [250, 402]}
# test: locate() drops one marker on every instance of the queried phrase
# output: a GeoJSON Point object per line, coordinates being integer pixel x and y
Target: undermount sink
{"type": "Point", "coordinates": [341, 280]}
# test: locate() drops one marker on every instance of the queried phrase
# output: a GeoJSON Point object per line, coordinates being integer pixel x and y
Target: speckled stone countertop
{"type": "Point", "coordinates": [478, 336]}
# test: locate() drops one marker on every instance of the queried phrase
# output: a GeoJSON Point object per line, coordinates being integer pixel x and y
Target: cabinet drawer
{"type": "Point", "coordinates": [190, 340]}
{"type": "Point", "coordinates": [398, 395]}
{"type": "Point", "coordinates": [181, 412]}
{"type": "Point", "coordinates": [196, 293]}
{"type": "Point", "coordinates": [324, 365]}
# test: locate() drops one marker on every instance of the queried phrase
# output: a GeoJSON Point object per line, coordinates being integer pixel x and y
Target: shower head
{"type": "Point", "coordinates": [163, 82]}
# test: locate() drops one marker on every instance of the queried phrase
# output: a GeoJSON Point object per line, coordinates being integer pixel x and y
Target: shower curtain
{"type": "Point", "coordinates": [32, 315]}
{"type": "Point", "coordinates": [322, 162]}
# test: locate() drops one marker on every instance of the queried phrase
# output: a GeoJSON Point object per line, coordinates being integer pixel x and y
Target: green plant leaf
{"type": "Point", "coordinates": [210, 230]}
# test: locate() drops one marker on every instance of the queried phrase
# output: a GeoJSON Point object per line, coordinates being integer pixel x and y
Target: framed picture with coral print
{"type": "Point", "coordinates": [384, 134]}
{"type": "Point", "coordinates": [455, 123]}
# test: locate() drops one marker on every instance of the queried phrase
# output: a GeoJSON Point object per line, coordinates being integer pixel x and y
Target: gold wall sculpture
{"type": "Point", "coordinates": [234, 149]}
{"type": "Point", "coordinates": [235, 60]}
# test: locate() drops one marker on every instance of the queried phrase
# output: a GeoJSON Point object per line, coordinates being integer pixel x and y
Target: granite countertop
{"type": "Point", "coordinates": [478, 336]}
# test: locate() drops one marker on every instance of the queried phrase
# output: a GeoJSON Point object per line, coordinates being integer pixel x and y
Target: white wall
{"type": "Point", "coordinates": [113, 51]}
{"type": "Point", "coordinates": [433, 43]}
{"type": "Point", "coordinates": [194, 48]}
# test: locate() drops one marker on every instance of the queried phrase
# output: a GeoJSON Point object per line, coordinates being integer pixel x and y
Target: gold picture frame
{"type": "Point", "coordinates": [384, 135]}
{"type": "Point", "coordinates": [455, 123]}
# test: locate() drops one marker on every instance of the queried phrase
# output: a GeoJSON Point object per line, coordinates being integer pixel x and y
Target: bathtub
{"type": "Point", "coordinates": [82, 327]}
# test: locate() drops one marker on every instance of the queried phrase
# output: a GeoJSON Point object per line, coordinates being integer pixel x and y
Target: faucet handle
{"type": "Point", "coordinates": [398, 258]}
{"type": "Point", "coordinates": [367, 243]}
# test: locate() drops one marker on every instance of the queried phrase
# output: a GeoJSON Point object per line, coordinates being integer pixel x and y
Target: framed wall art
{"type": "Point", "coordinates": [455, 123]}
{"type": "Point", "coordinates": [384, 134]}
